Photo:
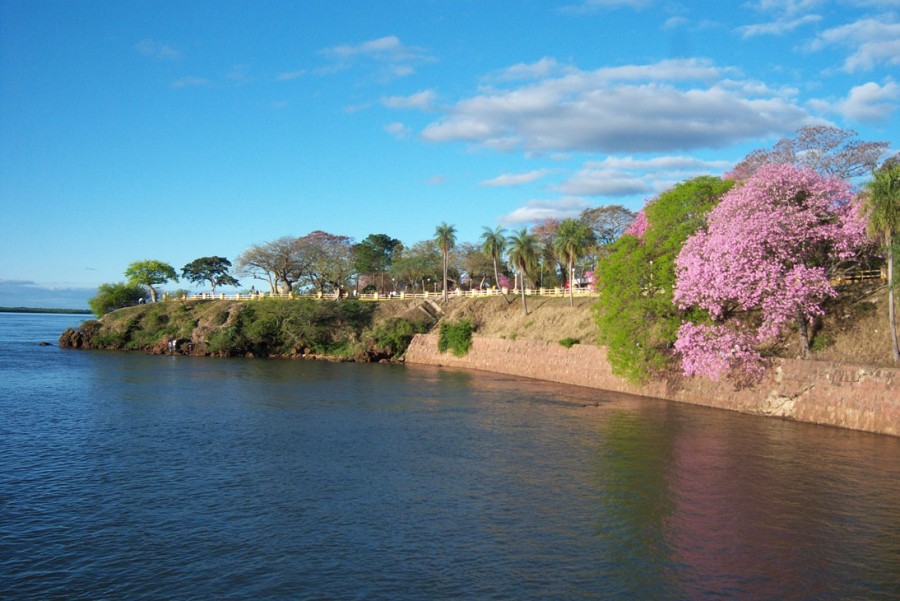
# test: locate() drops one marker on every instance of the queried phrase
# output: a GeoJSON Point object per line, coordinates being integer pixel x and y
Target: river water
{"type": "Point", "coordinates": [127, 476]}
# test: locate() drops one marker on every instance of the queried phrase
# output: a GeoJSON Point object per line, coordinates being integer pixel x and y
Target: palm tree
{"type": "Point", "coordinates": [523, 253]}
{"type": "Point", "coordinates": [573, 238]}
{"type": "Point", "coordinates": [445, 238]}
{"type": "Point", "coordinates": [882, 202]}
{"type": "Point", "coordinates": [493, 243]}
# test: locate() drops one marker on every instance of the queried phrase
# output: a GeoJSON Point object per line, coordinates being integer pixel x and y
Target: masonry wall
{"type": "Point", "coordinates": [847, 396]}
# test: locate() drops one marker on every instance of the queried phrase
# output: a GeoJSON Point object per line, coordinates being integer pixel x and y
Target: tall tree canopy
{"type": "Point", "coordinates": [524, 249]}
{"type": "Point", "coordinates": [445, 238]}
{"type": "Point", "coordinates": [882, 205]}
{"type": "Point", "coordinates": [493, 244]}
{"type": "Point", "coordinates": [573, 238]}
{"type": "Point", "coordinates": [209, 269]}
{"type": "Point", "coordinates": [763, 262]}
{"type": "Point", "coordinates": [375, 254]}
{"type": "Point", "coordinates": [282, 263]}
{"type": "Point", "coordinates": [150, 273]}
{"type": "Point", "coordinates": [824, 149]}
{"type": "Point", "coordinates": [636, 318]}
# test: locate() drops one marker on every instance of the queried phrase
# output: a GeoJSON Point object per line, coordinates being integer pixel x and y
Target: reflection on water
{"type": "Point", "coordinates": [132, 476]}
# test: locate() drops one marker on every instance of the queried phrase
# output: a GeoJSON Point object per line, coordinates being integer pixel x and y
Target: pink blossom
{"type": "Point", "coordinates": [766, 249]}
{"type": "Point", "coordinates": [639, 226]}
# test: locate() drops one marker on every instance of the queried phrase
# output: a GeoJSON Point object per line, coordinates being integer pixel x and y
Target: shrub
{"type": "Point", "coordinates": [110, 297]}
{"type": "Point", "coordinates": [569, 342]}
{"type": "Point", "coordinates": [392, 337]}
{"type": "Point", "coordinates": [455, 337]}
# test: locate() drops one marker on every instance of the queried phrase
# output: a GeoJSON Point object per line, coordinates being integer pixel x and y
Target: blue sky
{"type": "Point", "coordinates": [176, 130]}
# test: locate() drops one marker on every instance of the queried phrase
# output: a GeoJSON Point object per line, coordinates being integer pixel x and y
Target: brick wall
{"type": "Point", "coordinates": [848, 396]}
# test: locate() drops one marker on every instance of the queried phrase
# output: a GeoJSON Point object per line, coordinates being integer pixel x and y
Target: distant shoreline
{"type": "Point", "coordinates": [37, 310]}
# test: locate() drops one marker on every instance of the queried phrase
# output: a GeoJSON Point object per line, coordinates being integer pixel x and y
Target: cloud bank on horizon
{"type": "Point", "coordinates": [393, 117]}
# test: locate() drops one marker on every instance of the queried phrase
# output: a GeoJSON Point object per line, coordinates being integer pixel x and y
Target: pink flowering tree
{"type": "Point", "coordinates": [639, 226]}
{"type": "Point", "coordinates": [762, 263]}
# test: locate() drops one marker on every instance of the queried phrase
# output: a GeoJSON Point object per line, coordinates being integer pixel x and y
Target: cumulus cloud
{"type": "Point", "coordinates": [869, 102]}
{"type": "Point", "coordinates": [397, 59]}
{"type": "Point", "coordinates": [779, 27]}
{"type": "Point", "coordinates": [398, 130]}
{"type": "Point", "coordinates": [289, 75]}
{"type": "Point", "coordinates": [423, 101]}
{"type": "Point", "coordinates": [627, 176]}
{"type": "Point", "coordinates": [515, 179]}
{"type": "Point", "coordinates": [538, 210]}
{"type": "Point", "coordinates": [158, 50]}
{"type": "Point", "coordinates": [661, 107]}
{"type": "Point", "coordinates": [873, 42]}
{"type": "Point", "coordinates": [191, 81]}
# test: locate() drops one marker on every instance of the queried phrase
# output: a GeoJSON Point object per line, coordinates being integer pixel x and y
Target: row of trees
{"type": "Point", "coordinates": [713, 273]}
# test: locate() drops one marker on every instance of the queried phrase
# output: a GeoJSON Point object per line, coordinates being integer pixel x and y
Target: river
{"type": "Point", "coordinates": [128, 476]}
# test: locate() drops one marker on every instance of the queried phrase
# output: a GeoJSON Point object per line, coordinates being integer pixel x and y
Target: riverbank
{"type": "Point", "coordinates": [831, 389]}
{"type": "Point", "coordinates": [819, 392]}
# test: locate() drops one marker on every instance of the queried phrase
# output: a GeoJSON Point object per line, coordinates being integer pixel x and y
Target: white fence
{"type": "Point", "coordinates": [375, 296]}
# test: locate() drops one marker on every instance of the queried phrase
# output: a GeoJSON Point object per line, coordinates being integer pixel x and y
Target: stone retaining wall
{"type": "Point", "coordinates": [847, 396]}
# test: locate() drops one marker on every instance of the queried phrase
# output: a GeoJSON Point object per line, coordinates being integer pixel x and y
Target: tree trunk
{"type": "Point", "coordinates": [571, 268]}
{"type": "Point", "coordinates": [524, 303]}
{"type": "Point", "coordinates": [895, 348]}
{"type": "Point", "coordinates": [804, 336]}
{"type": "Point", "coordinates": [446, 260]}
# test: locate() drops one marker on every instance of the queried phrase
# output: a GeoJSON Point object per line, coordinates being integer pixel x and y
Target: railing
{"type": "Point", "coordinates": [856, 277]}
{"type": "Point", "coordinates": [375, 296]}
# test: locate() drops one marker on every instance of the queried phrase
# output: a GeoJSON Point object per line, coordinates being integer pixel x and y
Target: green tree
{"type": "Point", "coordinates": [636, 317]}
{"type": "Point", "coordinates": [110, 297]}
{"type": "Point", "coordinates": [445, 238]}
{"type": "Point", "coordinates": [209, 269]}
{"type": "Point", "coordinates": [493, 244]}
{"type": "Point", "coordinates": [882, 204]}
{"type": "Point", "coordinates": [150, 273]}
{"type": "Point", "coordinates": [375, 254]}
{"type": "Point", "coordinates": [523, 253]}
{"type": "Point", "coordinates": [416, 264]}
{"type": "Point", "coordinates": [573, 238]}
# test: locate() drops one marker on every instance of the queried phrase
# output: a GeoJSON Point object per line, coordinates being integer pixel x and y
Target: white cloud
{"type": "Point", "coordinates": [423, 101]}
{"type": "Point", "coordinates": [191, 81]}
{"type": "Point", "coordinates": [543, 68]}
{"type": "Point", "coordinates": [398, 130]}
{"type": "Point", "coordinates": [627, 176]}
{"type": "Point", "coordinates": [660, 107]}
{"type": "Point", "coordinates": [156, 49]}
{"type": "Point", "coordinates": [779, 27]}
{"type": "Point", "coordinates": [869, 102]}
{"type": "Point", "coordinates": [515, 179]}
{"type": "Point", "coordinates": [590, 6]}
{"type": "Point", "coordinates": [786, 7]}
{"type": "Point", "coordinates": [289, 75]}
{"type": "Point", "coordinates": [397, 58]}
{"type": "Point", "coordinates": [538, 210]}
{"type": "Point", "coordinates": [674, 22]}
{"type": "Point", "coordinates": [872, 41]}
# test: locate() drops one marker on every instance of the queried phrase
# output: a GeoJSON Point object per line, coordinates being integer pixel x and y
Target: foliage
{"type": "Point", "coordinates": [573, 238]}
{"type": "Point", "coordinates": [150, 273]}
{"type": "Point", "coordinates": [545, 234]}
{"type": "Point", "coordinates": [608, 223]}
{"type": "Point", "coordinates": [445, 238]}
{"type": "Point", "coordinates": [763, 262]}
{"type": "Point", "coordinates": [822, 148]}
{"type": "Point", "coordinates": [114, 296]}
{"type": "Point", "coordinates": [493, 245]}
{"type": "Point", "coordinates": [475, 267]}
{"type": "Point", "coordinates": [375, 254]}
{"type": "Point", "coordinates": [455, 337]}
{"type": "Point", "coordinates": [881, 199]}
{"type": "Point", "coordinates": [209, 269]}
{"type": "Point", "coordinates": [417, 264]}
{"type": "Point", "coordinates": [636, 318]}
{"type": "Point", "coordinates": [523, 253]}
{"type": "Point", "coordinates": [281, 263]}
{"type": "Point", "coordinates": [393, 336]}
{"type": "Point", "coordinates": [569, 342]}
{"type": "Point", "coordinates": [329, 258]}
{"type": "Point", "coordinates": [272, 327]}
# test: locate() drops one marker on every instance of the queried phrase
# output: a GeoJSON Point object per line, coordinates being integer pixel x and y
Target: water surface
{"type": "Point", "coordinates": [128, 476]}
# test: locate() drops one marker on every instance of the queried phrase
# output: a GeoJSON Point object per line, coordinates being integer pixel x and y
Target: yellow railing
{"type": "Point", "coordinates": [856, 277]}
{"type": "Point", "coordinates": [375, 296]}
